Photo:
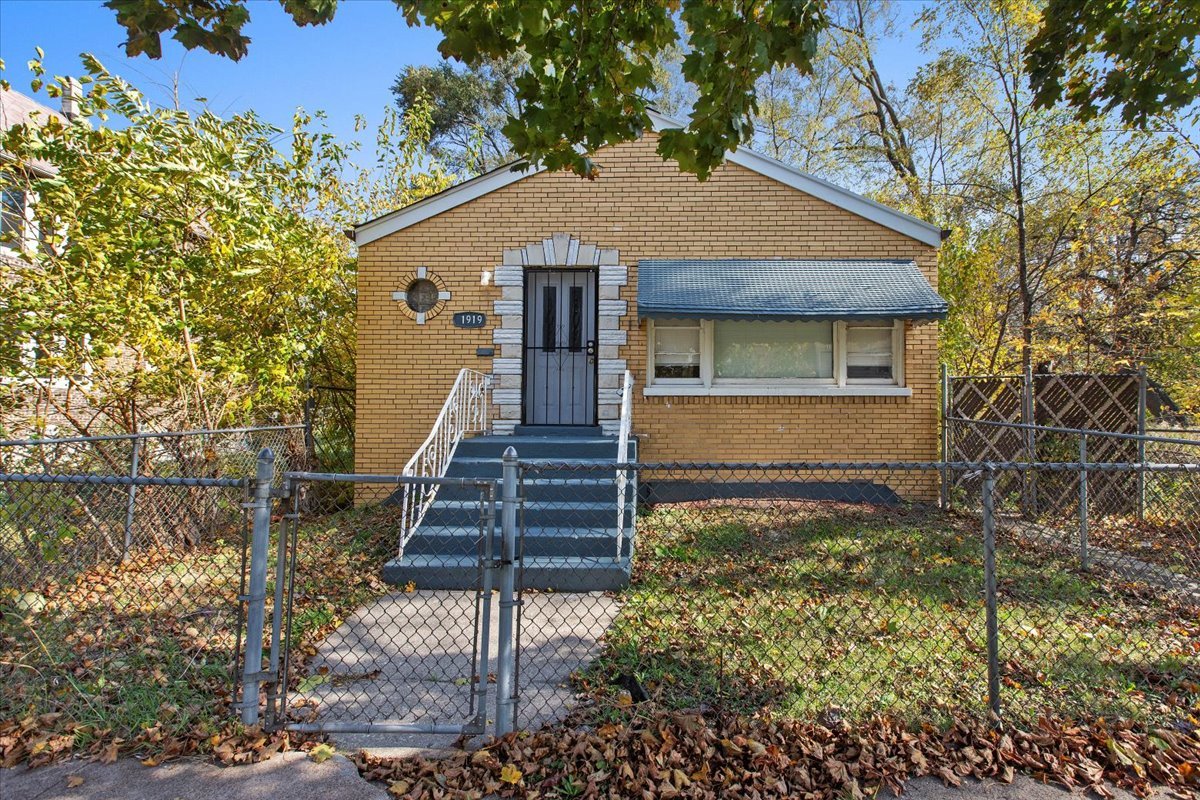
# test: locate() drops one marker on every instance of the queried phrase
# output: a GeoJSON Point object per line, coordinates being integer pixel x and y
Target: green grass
{"type": "Point", "coordinates": [809, 608]}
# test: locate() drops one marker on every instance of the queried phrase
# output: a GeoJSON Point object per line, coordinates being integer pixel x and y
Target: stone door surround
{"type": "Point", "coordinates": [558, 251]}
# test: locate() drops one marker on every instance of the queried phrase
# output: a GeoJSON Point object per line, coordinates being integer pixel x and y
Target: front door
{"type": "Point", "coordinates": [560, 347]}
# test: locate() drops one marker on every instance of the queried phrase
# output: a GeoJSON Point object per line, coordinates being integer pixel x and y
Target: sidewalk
{"type": "Point", "coordinates": [296, 777]}
{"type": "Point", "coordinates": [288, 775]}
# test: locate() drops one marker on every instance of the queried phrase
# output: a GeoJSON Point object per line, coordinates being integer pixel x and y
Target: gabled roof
{"type": "Point", "coordinates": [785, 289]}
{"type": "Point", "coordinates": [757, 162]}
{"type": "Point", "coordinates": [18, 109]}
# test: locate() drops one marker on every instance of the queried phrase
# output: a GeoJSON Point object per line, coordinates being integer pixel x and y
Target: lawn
{"type": "Point", "coordinates": [827, 611]}
{"type": "Point", "coordinates": [811, 610]}
{"type": "Point", "coordinates": [139, 656]}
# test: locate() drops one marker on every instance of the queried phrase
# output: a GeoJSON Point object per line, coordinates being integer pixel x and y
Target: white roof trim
{"type": "Point", "coordinates": [756, 162]}
{"type": "Point", "coordinates": [442, 201]}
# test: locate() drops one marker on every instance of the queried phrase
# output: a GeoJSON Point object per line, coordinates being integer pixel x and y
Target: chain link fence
{"type": "Point", "coordinates": [1149, 514]}
{"type": "Point", "coordinates": [1108, 621]}
{"type": "Point", "coordinates": [121, 563]}
{"type": "Point", "coordinates": [833, 592]}
{"type": "Point", "coordinates": [842, 591]}
{"type": "Point", "coordinates": [53, 528]}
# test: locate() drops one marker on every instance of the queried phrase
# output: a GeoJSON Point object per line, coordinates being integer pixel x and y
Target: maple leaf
{"type": "Point", "coordinates": [510, 774]}
{"type": "Point", "coordinates": [321, 753]}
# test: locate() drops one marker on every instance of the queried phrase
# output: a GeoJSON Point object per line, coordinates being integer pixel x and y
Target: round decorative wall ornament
{"type": "Point", "coordinates": [423, 297]}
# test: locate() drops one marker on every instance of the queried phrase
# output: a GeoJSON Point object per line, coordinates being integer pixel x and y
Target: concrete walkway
{"type": "Point", "coordinates": [407, 657]}
{"type": "Point", "coordinates": [1122, 564]}
{"type": "Point", "coordinates": [295, 777]}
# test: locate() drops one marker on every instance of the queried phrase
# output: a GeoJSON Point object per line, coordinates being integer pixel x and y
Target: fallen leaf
{"type": "Point", "coordinates": [321, 753]}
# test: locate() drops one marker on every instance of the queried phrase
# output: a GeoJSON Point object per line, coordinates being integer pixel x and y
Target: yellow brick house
{"type": "Point", "coordinates": [762, 315]}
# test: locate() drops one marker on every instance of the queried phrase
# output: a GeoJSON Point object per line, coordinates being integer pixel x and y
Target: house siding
{"type": "Point", "coordinates": [643, 208]}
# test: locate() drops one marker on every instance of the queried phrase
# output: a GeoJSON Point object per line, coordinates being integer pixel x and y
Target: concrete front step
{"type": "Point", "coordinates": [542, 573]}
{"type": "Point", "coordinates": [560, 542]}
{"type": "Point", "coordinates": [564, 448]}
{"type": "Point", "coordinates": [562, 511]}
{"type": "Point", "coordinates": [491, 467]}
{"type": "Point", "coordinates": [569, 516]}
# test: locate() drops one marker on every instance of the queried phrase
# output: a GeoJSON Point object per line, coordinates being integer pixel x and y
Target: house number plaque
{"type": "Point", "coordinates": [470, 319]}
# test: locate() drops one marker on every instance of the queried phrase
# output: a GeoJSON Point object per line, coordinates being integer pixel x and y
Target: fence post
{"type": "Point", "coordinates": [1141, 445]}
{"type": "Point", "coordinates": [1083, 502]}
{"type": "Point", "coordinates": [989, 583]}
{"type": "Point", "coordinates": [131, 502]}
{"type": "Point", "coordinates": [282, 574]}
{"type": "Point", "coordinates": [1029, 418]}
{"type": "Point", "coordinates": [945, 438]}
{"type": "Point", "coordinates": [506, 654]}
{"type": "Point", "coordinates": [310, 439]}
{"type": "Point", "coordinates": [256, 597]}
{"type": "Point", "coordinates": [484, 603]}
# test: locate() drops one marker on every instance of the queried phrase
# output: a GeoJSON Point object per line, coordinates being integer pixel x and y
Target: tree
{"type": "Point", "coordinates": [1098, 56]}
{"type": "Point", "coordinates": [469, 109]}
{"type": "Point", "coordinates": [1008, 182]}
{"type": "Point", "coordinates": [1130, 284]}
{"type": "Point", "coordinates": [592, 65]}
{"type": "Point", "coordinates": [882, 118]}
{"type": "Point", "coordinates": [192, 269]}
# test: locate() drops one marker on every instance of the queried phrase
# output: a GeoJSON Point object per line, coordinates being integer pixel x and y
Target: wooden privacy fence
{"type": "Point", "coordinates": [1002, 418]}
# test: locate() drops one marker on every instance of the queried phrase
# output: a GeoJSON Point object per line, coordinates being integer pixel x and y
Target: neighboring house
{"type": "Point", "coordinates": [18, 224]}
{"type": "Point", "coordinates": [765, 315]}
{"type": "Point", "coordinates": [20, 235]}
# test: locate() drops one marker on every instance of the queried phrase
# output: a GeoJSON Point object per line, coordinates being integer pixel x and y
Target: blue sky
{"type": "Point", "coordinates": [344, 68]}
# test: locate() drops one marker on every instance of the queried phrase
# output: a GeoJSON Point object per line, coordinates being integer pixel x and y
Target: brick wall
{"type": "Point", "coordinates": [644, 208]}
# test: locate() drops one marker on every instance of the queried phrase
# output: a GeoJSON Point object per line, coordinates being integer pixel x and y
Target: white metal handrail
{"type": "Point", "coordinates": [623, 457]}
{"type": "Point", "coordinates": [467, 410]}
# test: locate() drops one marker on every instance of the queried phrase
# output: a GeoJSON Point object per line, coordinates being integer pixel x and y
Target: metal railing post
{"type": "Point", "coordinates": [131, 503]}
{"type": "Point", "coordinates": [945, 493]}
{"type": "Point", "coordinates": [1083, 502]}
{"type": "Point", "coordinates": [989, 583]}
{"type": "Point", "coordinates": [505, 702]}
{"type": "Point", "coordinates": [256, 597]}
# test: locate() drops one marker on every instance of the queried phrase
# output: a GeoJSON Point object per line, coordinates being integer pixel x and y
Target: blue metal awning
{"type": "Point", "coordinates": [782, 289]}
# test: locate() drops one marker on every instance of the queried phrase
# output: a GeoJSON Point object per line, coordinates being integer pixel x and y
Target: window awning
{"type": "Point", "coordinates": [783, 289]}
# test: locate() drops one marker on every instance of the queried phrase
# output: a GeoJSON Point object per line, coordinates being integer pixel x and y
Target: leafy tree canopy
{"type": "Point", "coordinates": [469, 109]}
{"type": "Point", "coordinates": [591, 65]}
{"type": "Point", "coordinates": [1141, 57]}
{"type": "Point", "coordinates": [185, 270]}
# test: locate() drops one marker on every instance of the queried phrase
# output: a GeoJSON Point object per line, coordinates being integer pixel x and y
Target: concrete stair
{"type": "Point", "coordinates": [570, 529]}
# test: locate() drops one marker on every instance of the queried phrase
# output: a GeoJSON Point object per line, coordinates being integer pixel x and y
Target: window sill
{"type": "Point", "coordinates": [776, 391]}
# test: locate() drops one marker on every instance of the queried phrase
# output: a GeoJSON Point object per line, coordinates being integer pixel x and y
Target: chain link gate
{"type": "Point", "coordinates": [353, 645]}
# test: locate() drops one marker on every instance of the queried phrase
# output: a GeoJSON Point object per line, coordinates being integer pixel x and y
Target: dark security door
{"type": "Point", "coordinates": [560, 347]}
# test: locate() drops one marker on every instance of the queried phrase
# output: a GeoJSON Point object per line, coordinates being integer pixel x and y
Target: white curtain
{"type": "Point", "coordinates": [868, 351]}
{"type": "Point", "coordinates": [755, 350]}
